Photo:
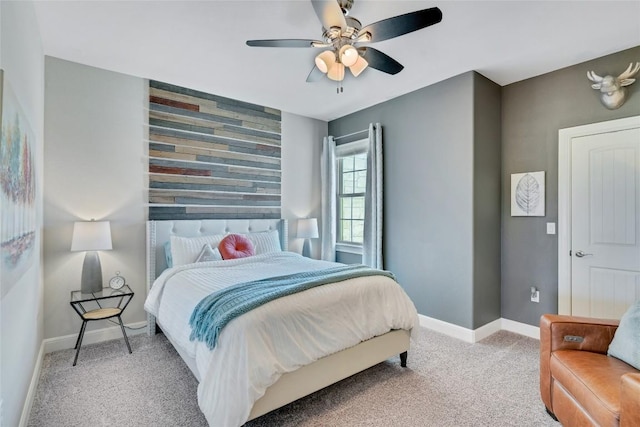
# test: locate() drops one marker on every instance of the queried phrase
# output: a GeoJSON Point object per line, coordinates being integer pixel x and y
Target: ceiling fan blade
{"type": "Point", "coordinates": [381, 61]}
{"type": "Point", "coordinates": [402, 24]}
{"type": "Point", "coordinates": [315, 75]}
{"type": "Point", "coordinates": [329, 13]}
{"type": "Point", "coordinates": [283, 43]}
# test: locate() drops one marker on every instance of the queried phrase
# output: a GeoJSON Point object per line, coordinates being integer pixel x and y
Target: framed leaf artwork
{"type": "Point", "coordinates": [527, 194]}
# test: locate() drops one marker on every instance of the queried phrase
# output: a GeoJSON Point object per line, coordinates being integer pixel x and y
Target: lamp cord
{"type": "Point", "coordinates": [127, 327]}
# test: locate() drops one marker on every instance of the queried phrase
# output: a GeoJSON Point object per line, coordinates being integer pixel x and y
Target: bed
{"type": "Point", "coordinates": [290, 380]}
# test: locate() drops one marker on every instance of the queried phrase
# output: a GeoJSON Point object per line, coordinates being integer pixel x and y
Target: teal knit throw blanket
{"type": "Point", "coordinates": [215, 311]}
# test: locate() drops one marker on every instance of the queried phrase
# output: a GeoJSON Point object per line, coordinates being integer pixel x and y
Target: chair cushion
{"type": "Point", "coordinates": [593, 379]}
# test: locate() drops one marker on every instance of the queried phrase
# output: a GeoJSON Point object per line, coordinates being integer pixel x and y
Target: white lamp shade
{"type": "Point", "coordinates": [91, 236]}
{"type": "Point", "coordinates": [336, 72]}
{"type": "Point", "coordinates": [307, 228]}
{"type": "Point", "coordinates": [359, 66]}
{"type": "Point", "coordinates": [348, 55]}
{"type": "Point", "coordinates": [325, 60]}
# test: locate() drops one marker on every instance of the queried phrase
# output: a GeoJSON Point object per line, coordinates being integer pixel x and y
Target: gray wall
{"type": "Point", "coordinates": [348, 258]}
{"type": "Point", "coordinates": [95, 167]}
{"type": "Point", "coordinates": [440, 148]}
{"type": "Point", "coordinates": [486, 200]}
{"type": "Point", "coordinates": [533, 111]}
{"type": "Point", "coordinates": [428, 143]}
{"type": "Point", "coordinates": [21, 58]}
{"type": "Point", "coordinates": [301, 148]}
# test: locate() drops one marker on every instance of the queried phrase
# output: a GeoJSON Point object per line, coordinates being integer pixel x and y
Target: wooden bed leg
{"type": "Point", "coordinates": [403, 359]}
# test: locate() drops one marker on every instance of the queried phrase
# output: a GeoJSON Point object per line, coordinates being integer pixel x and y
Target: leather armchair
{"type": "Point", "coordinates": [579, 383]}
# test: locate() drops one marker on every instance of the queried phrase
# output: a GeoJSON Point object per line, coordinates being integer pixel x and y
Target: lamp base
{"type": "Point", "coordinates": [306, 248]}
{"type": "Point", "coordinates": [91, 273]}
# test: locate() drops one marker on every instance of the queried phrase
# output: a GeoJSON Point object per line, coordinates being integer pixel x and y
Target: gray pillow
{"type": "Point", "coordinates": [626, 342]}
{"type": "Point", "coordinates": [209, 254]}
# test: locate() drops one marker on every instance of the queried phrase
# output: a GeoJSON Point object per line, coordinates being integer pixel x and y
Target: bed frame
{"type": "Point", "coordinates": [305, 380]}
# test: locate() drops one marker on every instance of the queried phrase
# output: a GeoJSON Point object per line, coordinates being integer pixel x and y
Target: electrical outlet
{"type": "Point", "coordinates": [535, 296]}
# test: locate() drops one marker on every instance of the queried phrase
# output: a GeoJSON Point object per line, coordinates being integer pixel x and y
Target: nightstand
{"type": "Point", "coordinates": [121, 297]}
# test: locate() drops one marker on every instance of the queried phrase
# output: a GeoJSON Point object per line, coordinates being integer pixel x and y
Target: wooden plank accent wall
{"type": "Point", "coordinates": [211, 157]}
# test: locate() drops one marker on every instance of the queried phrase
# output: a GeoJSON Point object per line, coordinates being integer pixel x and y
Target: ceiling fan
{"type": "Point", "coordinates": [343, 35]}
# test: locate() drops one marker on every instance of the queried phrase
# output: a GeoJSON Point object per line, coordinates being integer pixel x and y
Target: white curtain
{"type": "Point", "coordinates": [328, 175]}
{"type": "Point", "coordinates": [372, 246]}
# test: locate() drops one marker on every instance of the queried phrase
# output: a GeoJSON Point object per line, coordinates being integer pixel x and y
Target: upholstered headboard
{"type": "Point", "coordinates": [159, 232]}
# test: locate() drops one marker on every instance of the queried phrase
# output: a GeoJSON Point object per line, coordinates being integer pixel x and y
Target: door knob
{"type": "Point", "coordinates": [580, 254]}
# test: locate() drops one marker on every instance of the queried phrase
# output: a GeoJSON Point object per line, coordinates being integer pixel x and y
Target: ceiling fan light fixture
{"type": "Point", "coordinates": [342, 35]}
{"type": "Point", "coordinates": [336, 72]}
{"type": "Point", "coordinates": [364, 37]}
{"type": "Point", "coordinates": [325, 60]}
{"type": "Point", "coordinates": [359, 66]}
{"type": "Point", "coordinates": [348, 55]}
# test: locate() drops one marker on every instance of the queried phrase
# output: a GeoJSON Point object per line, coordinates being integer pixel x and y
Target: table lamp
{"type": "Point", "coordinates": [307, 229]}
{"type": "Point", "coordinates": [91, 236]}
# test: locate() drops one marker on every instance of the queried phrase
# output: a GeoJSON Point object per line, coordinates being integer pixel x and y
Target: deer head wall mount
{"type": "Point", "coordinates": [612, 89]}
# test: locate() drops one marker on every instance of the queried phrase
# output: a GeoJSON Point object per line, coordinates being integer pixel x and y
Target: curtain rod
{"type": "Point", "coordinates": [351, 134]}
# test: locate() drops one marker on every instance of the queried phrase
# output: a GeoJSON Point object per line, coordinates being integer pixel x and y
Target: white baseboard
{"type": "Point", "coordinates": [521, 328]}
{"type": "Point", "coordinates": [92, 337]}
{"type": "Point", "coordinates": [446, 328]}
{"type": "Point", "coordinates": [33, 385]}
{"type": "Point", "coordinates": [475, 335]}
{"type": "Point", "coordinates": [489, 329]}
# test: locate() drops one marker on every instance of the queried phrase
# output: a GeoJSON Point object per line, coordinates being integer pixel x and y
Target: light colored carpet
{"type": "Point", "coordinates": [448, 383]}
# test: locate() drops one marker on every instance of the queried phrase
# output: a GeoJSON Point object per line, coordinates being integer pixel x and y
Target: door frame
{"type": "Point", "coordinates": [565, 136]}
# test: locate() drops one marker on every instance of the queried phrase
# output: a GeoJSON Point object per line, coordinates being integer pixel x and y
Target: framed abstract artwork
{"type": "Point", "coordinates": [527, 194]}
{"type": "Point", "coordinates": [17, 189]}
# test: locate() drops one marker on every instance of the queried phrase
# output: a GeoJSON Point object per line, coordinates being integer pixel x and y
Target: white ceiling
{"type": "Point", "coordinates": [201, 45]}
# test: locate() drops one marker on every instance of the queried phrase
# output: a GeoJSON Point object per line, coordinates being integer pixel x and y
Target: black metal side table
{"type": "Point", "coordinates": [122, 296]}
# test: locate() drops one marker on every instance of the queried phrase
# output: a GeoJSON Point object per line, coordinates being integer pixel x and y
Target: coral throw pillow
{"type": "Point", "coordinates": [236, 246]}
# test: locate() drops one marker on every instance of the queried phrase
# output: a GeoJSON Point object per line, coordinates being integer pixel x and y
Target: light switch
{"type": "Point", "coordinates": [551, 228]}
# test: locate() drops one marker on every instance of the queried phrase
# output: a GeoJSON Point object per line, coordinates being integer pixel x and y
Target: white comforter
{"type": "Point", "coordinates": [255, 349]}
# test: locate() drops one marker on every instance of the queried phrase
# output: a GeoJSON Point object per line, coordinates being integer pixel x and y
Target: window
{"type": "Point", "coordinates": [352, 198]}
{"type": "Point", "coordinates": [351, 185]}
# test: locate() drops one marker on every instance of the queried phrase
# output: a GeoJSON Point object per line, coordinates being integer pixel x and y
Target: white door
{"type": "Point", "coordinates": [605, 223]}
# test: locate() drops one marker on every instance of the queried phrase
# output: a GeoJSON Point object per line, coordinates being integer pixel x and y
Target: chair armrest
{"type": "Point", "coordinates": [630, 400]}
{"type": "Point", "coordinates": [596, 336]}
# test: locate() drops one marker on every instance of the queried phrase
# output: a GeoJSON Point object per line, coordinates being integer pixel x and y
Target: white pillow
{"type": "Point", "coordinates": [209, 254]}
{"type": "Point", "coordinates": [185, 250]}
{"type": "Point", "coordinates": [265, 242]}
{"type": "Point", "coordinates": [626, 341]}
